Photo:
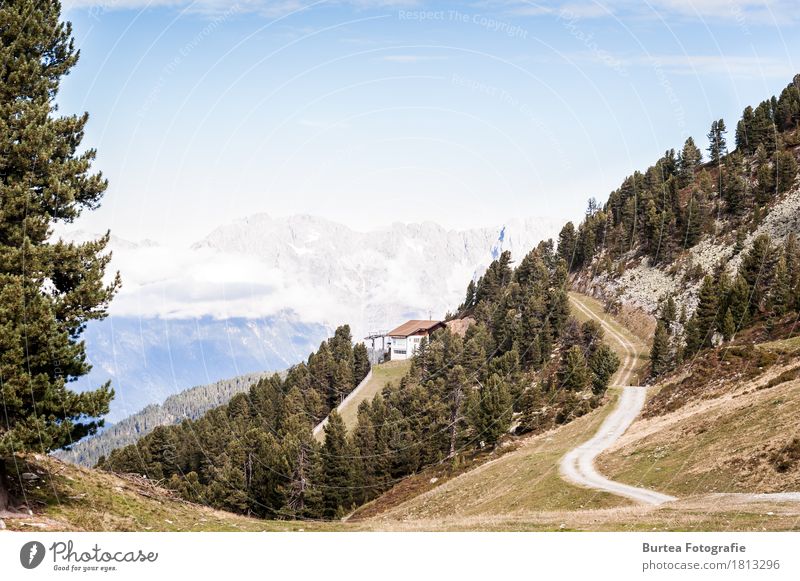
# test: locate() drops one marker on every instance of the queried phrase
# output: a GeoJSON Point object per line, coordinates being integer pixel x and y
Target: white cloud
{"type": "Point", "coordinates": [320, 271]}
{"type": "Point", "coordinates": [573, 9]}
{"type": "Point", "coordinates": [733, 66]}
{"type": "Point", "coordinates": [739, 12]}
{"type": "Point", "coordinates": [747, 67]}
{"type": "Point", "coordinates": [263, 7]}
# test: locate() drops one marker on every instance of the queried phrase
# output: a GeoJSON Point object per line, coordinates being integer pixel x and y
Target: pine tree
{"type": "Point", "coordinates": [766, 187]}
{"type": "Point", "coordinates": [603, 363]}
{"type": "Point", "coordinates": [654, 226]}
{"type": "Point", "coordinates": [574, 372]}
{"type": "Point", "coordinates": [756, 269]}
{"type": "Point", "coordinates": [734, 190]}
{"type": "Point", "coordinates": [660, 356]}
{"type": "Point", "coordinates": [361, 363]}
{"type": "Point", "coordinates": [744, 140]}
{"type": "Point", "coordinates": [787, 111]}
{"type": "Point", "coordinates": [337, 468]}
{"type": "Point", "coordinates": [534, 354]}
{"type": "Point", "coordinates": [728, 326]}
{"type": "Point", "coordinates": [469, 299]}
{"type": "Point", "coordinates": [678, 348]}
{"type": "Point", "coordinates": [716, 141]}
{"type": "Point", "coordinates": [692, 336]}
{"type": "Point", "coordinates": [780, 294]}
{"type": "Point", "coordinates": [456, 382]}
{"type": "Point", "coordinates": [791, 251]}
{"type": "Point", "coordinates": [490, 409]}
{"type": "Point", "coordinates": [367, 477]}
{"type": "Point", "coordinates": [567, 241]}
{"type": "Point", "coordinates": [785, 170]}
{"type": "Point", "coordinates": [321, 367]}
{"type": "Point", "coordinates": [703, 323]}
{"type": "Point", "coordinates": [557, 304]}
{"type": "Point", "coordinates": [496, 277]}
{"type": "Point", "coordinates": [162, 454]}
{"type": "Point", "coordinates": [669, 313]}
{"type": "Point", "coordinates": [341, 344]}
{"type": "Point", "coordinates": [762, 129]}
{"type": "Point", "coordinates": [48, 291]}
{"type": "Point", "coordinates": [694, 217]}
{"type": "Point", "coordinates": [343, 381]}
{"type": "Point", "coordinates": [689, 161]}
{"type": "Point", "coordinates": [300, 461]}
{"type": "Point", "coordinates": [738, 301]}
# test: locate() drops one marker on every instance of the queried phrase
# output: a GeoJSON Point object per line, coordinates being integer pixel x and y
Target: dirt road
{"type": "Point", "coordinates": [577, 466]}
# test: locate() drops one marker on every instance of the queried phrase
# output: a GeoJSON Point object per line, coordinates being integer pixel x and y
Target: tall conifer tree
{"type": "Point", "coordinates": [337, 468]}
{"type": "Point", "coordinates": [48, 290]}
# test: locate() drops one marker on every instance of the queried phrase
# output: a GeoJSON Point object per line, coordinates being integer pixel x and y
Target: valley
{"type": "Point", "coordinates": [636, 370]}
{"type": "Point", "coordinates": [279, 286]}
{"type": "Point", "coordinates": [519, 486]}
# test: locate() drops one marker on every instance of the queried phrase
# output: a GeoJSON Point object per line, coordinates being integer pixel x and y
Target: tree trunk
{"type": "Point", "coordinates": [5, 496]}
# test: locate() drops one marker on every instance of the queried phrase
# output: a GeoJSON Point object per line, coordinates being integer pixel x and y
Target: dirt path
{"type": "Point", "coordinates": [577, 466]}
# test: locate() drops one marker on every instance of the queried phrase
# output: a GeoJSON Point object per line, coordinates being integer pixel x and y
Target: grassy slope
{"type": "Point", "coordinates": [726, 444]}
{"type": "Point", "coordinates": [66, 497]}
{"type": "Point", "coordinates": [518, 482]}
{"type": "Point", "coordinates": [522, 491]}
{"type": "Point", "coordinates": [382, 374]}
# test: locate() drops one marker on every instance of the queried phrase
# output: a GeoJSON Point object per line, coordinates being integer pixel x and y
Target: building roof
{"type": "Point", "coordinates": [415, 327]}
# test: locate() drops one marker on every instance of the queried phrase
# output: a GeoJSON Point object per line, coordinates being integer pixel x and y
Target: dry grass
{"type": "Point", "coordinates": [428, 479]}
{"type": "Point", "coordinates": [519, 482]}
{"type": "Point", "coordinates": [71, 498]}
{"type": "Point", "coordinates": [66, 497]}
{"type": "Point", "coordinates": [784, 346]}
{"type": "Point", "coordinates": [705, 513]}
{"type": "Point", "coordinates": [637, 321]}
{"type": "Point", "coordinates": [389, 372]}
{"type": "Point", "coordinates": [738, 441]}
{"type": "Point", "coordinates": [382, 375]}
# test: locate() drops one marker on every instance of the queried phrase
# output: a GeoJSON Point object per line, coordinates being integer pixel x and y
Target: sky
{"type": "Point", "coordinates": [369, 112]}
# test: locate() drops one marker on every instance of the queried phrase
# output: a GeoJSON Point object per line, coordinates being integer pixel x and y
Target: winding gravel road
{"type": "Point", "coordinates": [577, 466]}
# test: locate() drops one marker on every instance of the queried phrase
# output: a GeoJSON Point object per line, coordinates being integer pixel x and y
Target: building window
{"type": "Point", "coordinates": [400, 351]}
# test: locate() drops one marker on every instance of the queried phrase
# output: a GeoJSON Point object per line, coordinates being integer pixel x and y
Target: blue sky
{"type": "Point", "coordinates": [371, 112]}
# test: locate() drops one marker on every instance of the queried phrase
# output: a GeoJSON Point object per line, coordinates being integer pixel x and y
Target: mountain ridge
{"type": "Point", "coordinates": [261, 293]}
{"type": "Point", "coordinates": [188, 404]}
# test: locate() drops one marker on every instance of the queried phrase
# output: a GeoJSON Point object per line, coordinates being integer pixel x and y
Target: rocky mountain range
{"type": "Point", "coordinates": [261, 293]}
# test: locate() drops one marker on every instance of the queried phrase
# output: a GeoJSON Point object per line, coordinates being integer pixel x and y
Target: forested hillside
{"type": "Point", "coordinates": [256, 455]}
{"type": "Point", "coordinates": [187, 405]}
{"type": "Point", "coordinates": [668, 208]}
{"type": "Point", "coordinates": [522, 364]}
{"type": "Point", "coordinates": [707, 247]}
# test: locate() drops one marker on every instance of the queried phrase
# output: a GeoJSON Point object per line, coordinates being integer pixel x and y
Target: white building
{"type": "Point", "coordinates": [403, 341]}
